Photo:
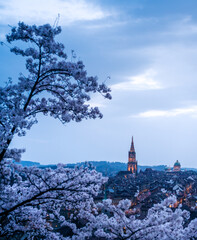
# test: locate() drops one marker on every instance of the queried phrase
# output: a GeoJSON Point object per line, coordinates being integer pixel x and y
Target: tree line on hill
{"type": "Point", "coordinates": [106, 168]}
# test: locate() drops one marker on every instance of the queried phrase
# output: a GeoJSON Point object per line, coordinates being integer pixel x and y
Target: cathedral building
{"type": "Point", "coordinates": [132, 163]}
{"type": "Point", "coordinates": [177, 166]}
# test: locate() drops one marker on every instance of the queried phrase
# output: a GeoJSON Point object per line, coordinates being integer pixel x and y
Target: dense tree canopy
{"type": "Point", "coordinates": [161, 222]}
{"type": "Point", "coordinates": [32, 199]}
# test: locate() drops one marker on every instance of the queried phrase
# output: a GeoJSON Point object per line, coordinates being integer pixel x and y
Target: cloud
{"type": "Point", "coordinates": [2, 36]}
{"type": "Point", "coordinates": [105, 25]}
{"type": "Point", "coordinates": [96, 104]}
{"type": "Point", "coordinates": [46, 11]}
{"type": "Point", "coordinates": [168, 113]}
{"type": "Point", "coordinates": [141, 82]}
{"type": "Point", "coordinates": [182, 28]}
{"type": "Point", "coordinates": [98, 101]}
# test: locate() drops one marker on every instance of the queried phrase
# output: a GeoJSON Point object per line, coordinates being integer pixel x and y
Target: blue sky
{"type": "Point", "coordinates": [149, 50]}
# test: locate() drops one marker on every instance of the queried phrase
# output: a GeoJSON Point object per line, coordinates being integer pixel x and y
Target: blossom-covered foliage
{"type": "Point", "coordinates": [30, 202]}
{"type": "Point", "coordinates": [53, 85]}
{"type": "Point", "coordinates": [32, 199]}
{"type": "Point", "coordinates": [161, 222]}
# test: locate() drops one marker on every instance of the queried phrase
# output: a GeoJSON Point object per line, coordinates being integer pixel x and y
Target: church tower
{"type": "Point", "coordinates": [132, 163]}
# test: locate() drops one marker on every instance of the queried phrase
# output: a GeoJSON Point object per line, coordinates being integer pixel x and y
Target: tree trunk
{"type": "Point", "coordinates": [3, 152]}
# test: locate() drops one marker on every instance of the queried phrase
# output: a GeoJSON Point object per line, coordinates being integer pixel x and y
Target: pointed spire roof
{"type": "Point", "coordinates": [132, 145]}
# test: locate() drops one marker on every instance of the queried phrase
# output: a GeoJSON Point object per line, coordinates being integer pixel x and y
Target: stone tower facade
{"type": "Point", "coordinates": [132, 163]}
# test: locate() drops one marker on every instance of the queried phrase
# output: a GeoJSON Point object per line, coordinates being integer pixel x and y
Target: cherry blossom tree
{"type": "Point", "coordinates": [161, 222]}
{"type": "Point", "coordinates": [52, 86]}
{"type": "Point", "coordinates": [33, 199]}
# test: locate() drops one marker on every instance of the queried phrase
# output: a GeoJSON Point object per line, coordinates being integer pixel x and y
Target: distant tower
{"type": "Point", "coordinates": [177, 166]}
{"type": "Point", "coordinates": [132, 163]}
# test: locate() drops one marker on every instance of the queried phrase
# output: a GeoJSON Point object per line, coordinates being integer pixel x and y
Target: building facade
{"type": "Point", "coordinates": [177, 166]}
{"type": "Point", "coordinates": [132, 163]}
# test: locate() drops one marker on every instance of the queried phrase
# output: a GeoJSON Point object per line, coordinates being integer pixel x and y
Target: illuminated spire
{"type": "Point", "coordinates": [132, 146]}
{"type": "Point", "coordinates": [132, 163]}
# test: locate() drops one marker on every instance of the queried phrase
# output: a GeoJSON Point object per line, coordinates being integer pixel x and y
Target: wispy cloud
{"type": "Point", "coordinates": [2, 36]}
{"type": "Point", "coordinates": [140, 82]}
{"type": "Point", "coordinates": [183, 27]}
{"type": "Point", "coordinates": [101, 25]}
{"type": "Point", "coordinates": [96, 104]}
{"type": "Point", "coordinates": [36, 11]}
{"type": "Point", "coordinates": [168, 113]}
{"type": "Point", "coordinates": [98, 101]}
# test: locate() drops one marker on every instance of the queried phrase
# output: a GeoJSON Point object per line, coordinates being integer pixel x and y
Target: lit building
{"type": "Point", "coordinates": [132, 163]}
{"type": "Point", "coordinates": [177, 166]}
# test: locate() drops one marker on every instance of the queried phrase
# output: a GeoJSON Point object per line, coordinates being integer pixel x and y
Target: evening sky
{"type": "Point", "coordinates": [146, 51]}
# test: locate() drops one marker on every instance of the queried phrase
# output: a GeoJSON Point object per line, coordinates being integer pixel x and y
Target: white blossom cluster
{"type": "Point", "coordinates": [32, 200]}
{"type": "Point", "coordinates": [161, 222]}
